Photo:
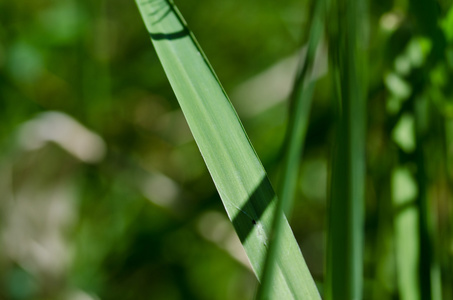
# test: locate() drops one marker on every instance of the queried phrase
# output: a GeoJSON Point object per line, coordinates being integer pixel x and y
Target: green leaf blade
{"type": "Point", "coordinates": [231, 160]}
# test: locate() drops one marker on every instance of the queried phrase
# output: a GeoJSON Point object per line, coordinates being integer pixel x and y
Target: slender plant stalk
{"type": "Point", "coordinates": [448, 260]}
{"type": "Point", "coordinates": [429, 266]}
{"type": "Point", "coordinates": [231, 160]}
{"type": "Point", "coordinates": [345, 237]}
{"type": "Point", "coordinates": [301, 99]}
{"type": "Point", "coordinates": [427, 16]}
{"type": "Point", "coordinates": [425, 246]}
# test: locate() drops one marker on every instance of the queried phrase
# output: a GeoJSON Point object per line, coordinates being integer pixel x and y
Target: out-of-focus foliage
{"type": "Point", "coordinates": [104, 194]}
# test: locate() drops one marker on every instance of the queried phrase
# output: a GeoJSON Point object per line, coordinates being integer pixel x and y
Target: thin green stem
{"type": "Point", "coordinates": [301, 99]}
{"type": "Point", "coordinates": [345, 237]}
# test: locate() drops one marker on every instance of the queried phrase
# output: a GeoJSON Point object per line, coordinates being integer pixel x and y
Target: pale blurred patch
{"type": "Point", "coordinates": [65, 131]}
{"type": "Point", "coordinates": [215, 227]}
{"type": "Point", "coordinates": [404, 133]}
{"type": "Point", "coordinates": [406, 222]}
{"type": "Point", "coordinates": [38, 209]}
{"type": "Point", "coordinates": [161, 190]}
{"type": "Point", "coordinates": [390, 21]}
{"type": "Point", "coordinates": [274, 85]}
{"type": "Point", "coordinates": [79, 295]}
{"type": "Point", "coordinates": [38, 200]}
{"type": "Point", "coordinates": [404, 187]}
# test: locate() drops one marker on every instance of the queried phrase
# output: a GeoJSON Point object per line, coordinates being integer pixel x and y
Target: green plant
{"type": "Point", "coordinates": [235, 168]}
{"type": "Point", "coordinates": [251, 203]}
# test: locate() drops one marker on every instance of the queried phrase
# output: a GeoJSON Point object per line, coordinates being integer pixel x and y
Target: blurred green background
{"type": "Point", "coordinates": [104, 194]}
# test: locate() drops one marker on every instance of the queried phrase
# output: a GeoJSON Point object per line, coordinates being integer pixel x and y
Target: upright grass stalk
{"type": "Point", "coordinates": [448, 258]}
{"type": "Point", "coordinates": [345, 237]}
{"type": "Point", "coordinates": [301, 99]}
{"type": "Point", "coordinates": [425, 240]}
{"type": "Point", "coordinates": [427, 18]}
{"type": "Point", "coordinates": [231, 160]}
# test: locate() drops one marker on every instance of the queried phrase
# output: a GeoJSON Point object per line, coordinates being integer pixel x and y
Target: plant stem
{"type": "Point", "coordinates": [345, 237]}
{"type": "Point", "coordinates": [301, 98]}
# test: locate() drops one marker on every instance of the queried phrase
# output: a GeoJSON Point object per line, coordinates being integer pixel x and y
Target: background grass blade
{"type": "Point", "coordinates": [346, 216]}
{"type": "Point", "coordinates": [301, 99]}
{"type": "Point", "coordinates": [233, 164]}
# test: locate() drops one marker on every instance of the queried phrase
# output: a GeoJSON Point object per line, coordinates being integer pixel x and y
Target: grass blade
{"type": "Point", "coordinates": [345, 237]}
{"type": "Point", "coordinates": [232, 162]}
